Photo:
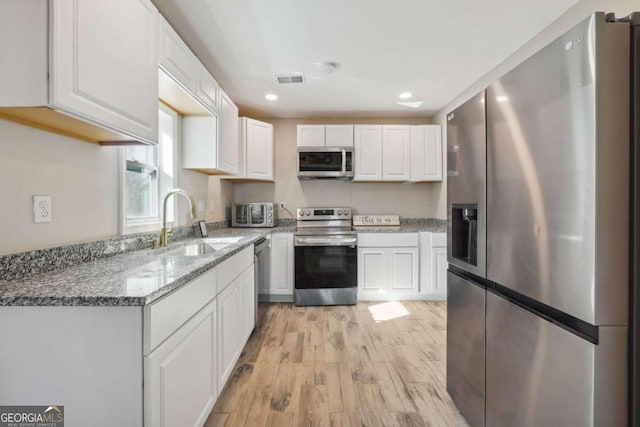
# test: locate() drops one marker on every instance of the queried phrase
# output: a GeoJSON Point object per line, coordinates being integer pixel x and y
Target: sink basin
{"type": "Point", "coordinates": [220, 240]}
{"type": "Point", "coordinates": [194, 249]}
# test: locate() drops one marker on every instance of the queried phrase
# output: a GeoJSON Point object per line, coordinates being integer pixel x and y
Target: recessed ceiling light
{"type": "Point", "coordinates": [405, 95]}
{"type": "Point", "coordinates": [502, 98]}
{"type": "Point", "coordinates": [271, 97]}
{"type": "Point", "coordinates": [414, 104]}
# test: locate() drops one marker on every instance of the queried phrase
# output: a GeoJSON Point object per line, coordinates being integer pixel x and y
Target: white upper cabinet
{"type": "Point", "coordinates": [256, 142]}
{"type": "Point", "coordinates": [176, 59]}
{"type": "Point", "coordinates": [228, 143]}
{"type": "Point", "coordinates": [192, 78]}
{"type": "Point", "coordinates": [311, 135]}
{"type": "Point", "coordinates": [102, 71]}
{"type": "Point", "coordinates": [426, 153]}
{"type": "Point", "coordinates": [396, 157]}
{"type": "Point", "coordinates": [338, 135]}
{"type": "Point", "coordinates": [207, 88]}
{"type": "Point", "coordinates": [325, 135]}
{"type": "Point", "coordinates": [368, 152]}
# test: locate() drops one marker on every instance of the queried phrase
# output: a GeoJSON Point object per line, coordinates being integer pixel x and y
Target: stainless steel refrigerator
{"type": "Point", "coordinates": [541, 197]}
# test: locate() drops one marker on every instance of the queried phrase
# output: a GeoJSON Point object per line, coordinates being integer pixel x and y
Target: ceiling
{"type": "Point", "coordinates": [431, 48]}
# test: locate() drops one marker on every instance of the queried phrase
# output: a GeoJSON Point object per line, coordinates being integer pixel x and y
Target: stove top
{"type": "Point", "coordinates": [324, 221]}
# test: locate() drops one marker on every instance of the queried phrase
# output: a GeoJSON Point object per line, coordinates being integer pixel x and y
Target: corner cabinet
{"type": "Point", "coordinates": [256, 151]}
{"type": "Point", "coordinates": [76, 78]}
{"type": "Point", "coordinates": [228, 144]}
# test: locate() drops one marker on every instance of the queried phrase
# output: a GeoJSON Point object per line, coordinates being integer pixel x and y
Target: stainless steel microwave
{"type": "Point", "coordinates": [254, 215]}
{"type": "Point", "coordinates": [325, 162]}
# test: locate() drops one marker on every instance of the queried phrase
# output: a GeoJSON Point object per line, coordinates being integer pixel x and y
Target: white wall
{"type": "Point", "coordinates": [408, 200]}
{"type": "Point", "coordinates": [82, 179]}
{"type": "Point", "coordinates": [573, 16]}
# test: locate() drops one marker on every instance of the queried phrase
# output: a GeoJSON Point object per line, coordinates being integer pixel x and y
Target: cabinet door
{"type": "Point", "coordinates": [338, 135]}
{"type": "Point", "coordinates": [229, 330]}
{"type": "Point", "coordinates": [367, 140]}
{"type": "Point", "coordinates": [426, 153]}
{"type": "Point", "coordinates": [281, 264]}
{"type": "Point", "coordinates": [247, 301]}
{"type": "Point", "coordinates": [373, 269]}
{"type": "Point", "coordinates": [403, 269]}
{"type": "Point", "coordinates": [310, 135]}
{"type": "Point", "coordinates": [439, 271]}
{"type": "Point", "coordinates": [228, 143]}
{"type": "Point", "coordinates": [207, 88]}
{"type": "Point", "coordinates": [177, 59]}
{"type": "Point", "coordinates": [180, 379]}
{"type": "Point", "coordinates": [104, 63]}
{"type": "Point", "coordinates": [396, 160]}
{"type": "Point", "coordinates": [259, 150]}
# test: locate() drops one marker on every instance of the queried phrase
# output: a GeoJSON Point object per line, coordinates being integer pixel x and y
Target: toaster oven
{"type": "Point", "coordinates": [254, 215]}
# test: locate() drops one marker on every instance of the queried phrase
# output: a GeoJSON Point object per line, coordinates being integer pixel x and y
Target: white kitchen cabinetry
{"type": "Point", "coordinates": [325, 135]}
{"type": "Point", "coordinates": [396, 158]}
{"type": "Point", "coordinates": [388, 266]}
{"type": "Point", "coordinates": [282, 267]}
{"type": "Point", "coordinates": [210, 143]}
{"type": "Point", "coordinates": [180, 375]}
{"type": "Point", "coordinates": [234, 318]}
{"type": "Point", "coordinates": [310, 135]}
{"type": "Point", "coordinates": [382, 153]}
{"type": "Point", "coordinates": [229, 330]}
{"type": "Point", "coordinates": [184, 68]}
{"type": "Point", "coordinates": [426, 153]}
{"type": "Point", "coordinates": [159, 364]}
{"type": "Point", "coordinates": [368, 152]}
{"type": "Point", "coordinates": [433, 265]}
{"type": "Point", "coordinates": [69, 72]}
{"type": "Point", "coordinates": [338, 135]}
{"type": "Point", "coordinates": [256, 151]}
{"type": "Point", "coordinates": [228, 143]}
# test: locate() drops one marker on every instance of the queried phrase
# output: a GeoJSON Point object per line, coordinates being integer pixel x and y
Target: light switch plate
{"type": "Point", "coordinates": [41, 209]}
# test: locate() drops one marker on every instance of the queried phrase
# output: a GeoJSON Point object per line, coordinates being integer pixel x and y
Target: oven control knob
{"type": "Point", "coordinates": [307, 212]}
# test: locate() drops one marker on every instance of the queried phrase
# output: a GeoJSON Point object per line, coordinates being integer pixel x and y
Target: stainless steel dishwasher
{"type": "Point", "coordinates": [262, 261]}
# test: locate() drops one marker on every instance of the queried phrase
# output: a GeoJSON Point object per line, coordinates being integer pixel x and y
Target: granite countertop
{"type": "Point", "coordinates": [133, 279]}
{"type": "Point", "coordinates": [138, 277]}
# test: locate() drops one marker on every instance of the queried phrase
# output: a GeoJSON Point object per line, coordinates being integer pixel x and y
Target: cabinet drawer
{"type": "Point", "coordinates": [382, 240]}
{"type": "Point", "coordinates": [164, 317]}
{"type": "Point", "coordinates": [233, 267]}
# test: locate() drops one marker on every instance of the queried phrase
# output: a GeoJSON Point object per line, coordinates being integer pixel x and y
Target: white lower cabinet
{"type": "Point", "coordinates": [229, 330]}
{"type": "Point", "coordinates": [180, 376]}
{"type": "Point", "coordinates": [388, 266]}
{"type": "Point", "coordinates": [247, 302]}
{"type": "Point", "coordinates": [433, 265]}
{"type": "Point", "coordinates": [282, 267]}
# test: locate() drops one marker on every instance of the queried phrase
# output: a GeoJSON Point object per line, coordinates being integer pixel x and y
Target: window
{"type": "Point", "coordinates": [147, 173]}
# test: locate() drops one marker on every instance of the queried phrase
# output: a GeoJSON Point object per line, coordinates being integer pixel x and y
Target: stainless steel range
{"type": "Point", "coordinates": [326, 255]}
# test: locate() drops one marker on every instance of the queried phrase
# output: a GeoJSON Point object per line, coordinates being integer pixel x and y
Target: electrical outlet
{"type": "Point", "coordinates": [41, 209]}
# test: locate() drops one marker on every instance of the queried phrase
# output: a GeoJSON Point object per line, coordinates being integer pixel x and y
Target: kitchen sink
{"type": "Point", "coordinates": [222, 240]}
{"type": "Point", "coordinates": [194, 249]}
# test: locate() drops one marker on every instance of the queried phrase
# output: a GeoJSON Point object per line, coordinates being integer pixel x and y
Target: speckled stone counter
{"type": "Point", "coordinates": [120, 272]}
{"type": "Point", "coordinates": [135, 278]}
{"type": "Point", "coordinates": [408, 225]}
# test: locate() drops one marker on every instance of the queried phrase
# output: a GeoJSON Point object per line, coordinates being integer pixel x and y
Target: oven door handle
{"type": "Point", "coordinates": [325, 241]}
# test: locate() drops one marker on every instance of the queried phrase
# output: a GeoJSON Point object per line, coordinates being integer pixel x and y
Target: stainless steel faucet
{"type": "Point", "coordinates": [164, 233]}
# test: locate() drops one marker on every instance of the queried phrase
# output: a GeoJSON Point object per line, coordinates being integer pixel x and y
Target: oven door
{"type": "Point", "coordinates": [324, 267]}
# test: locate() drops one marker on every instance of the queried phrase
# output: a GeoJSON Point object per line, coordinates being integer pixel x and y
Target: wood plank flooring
{"type": "Point", "coordinates": [373, 364]}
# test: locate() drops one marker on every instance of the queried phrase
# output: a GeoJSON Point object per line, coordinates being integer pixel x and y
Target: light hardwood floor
{"type": "Point", "coordinates": [373, 364]}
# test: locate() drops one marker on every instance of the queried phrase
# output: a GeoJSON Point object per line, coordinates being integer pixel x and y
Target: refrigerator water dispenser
{"type": "Point", "coordinates": [464, 229]}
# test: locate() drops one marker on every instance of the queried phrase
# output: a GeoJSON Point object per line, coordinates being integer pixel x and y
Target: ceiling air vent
{"type": "Point", "coordinates": [297, 78]}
